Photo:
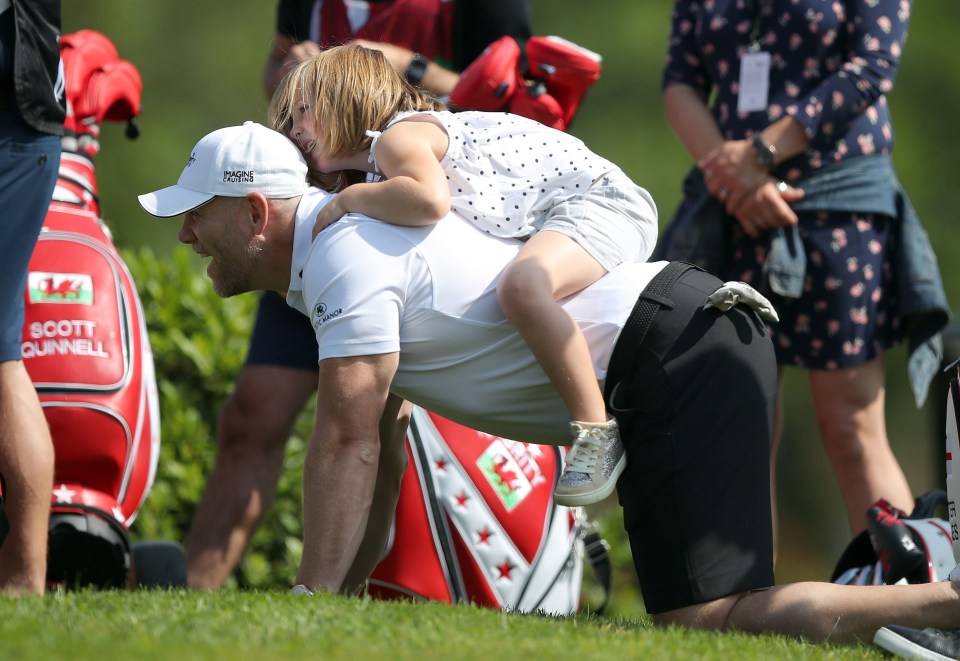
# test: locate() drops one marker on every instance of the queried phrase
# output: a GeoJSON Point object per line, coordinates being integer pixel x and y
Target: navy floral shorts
{"type": "Point", "coordinates": [844, 317]}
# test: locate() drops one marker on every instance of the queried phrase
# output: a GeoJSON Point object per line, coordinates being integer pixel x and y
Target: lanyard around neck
{"type": "Point", "coordinates": [757, 9]}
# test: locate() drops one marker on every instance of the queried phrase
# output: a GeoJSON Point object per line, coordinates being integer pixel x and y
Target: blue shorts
{"type": "Point", "coordinates": [29, 162]}
{"type": "Point", "coordinates": [282, 337]}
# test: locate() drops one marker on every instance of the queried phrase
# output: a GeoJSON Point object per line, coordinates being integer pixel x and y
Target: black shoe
{"type": "Point", "coordinates": [907, 643]}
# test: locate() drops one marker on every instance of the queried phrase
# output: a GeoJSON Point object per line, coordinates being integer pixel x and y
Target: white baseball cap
{"type": "Point", "coordinates": [231, 162]}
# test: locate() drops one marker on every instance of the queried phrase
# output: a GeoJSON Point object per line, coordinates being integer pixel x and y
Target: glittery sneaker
{"type": "Point", "coordinates": [593, 464]}
{"type": "Point", "coordinates": [907, 643]}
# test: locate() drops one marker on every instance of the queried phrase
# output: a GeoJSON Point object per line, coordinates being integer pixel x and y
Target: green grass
{"type": "Point", "coordinates": [183, 626]}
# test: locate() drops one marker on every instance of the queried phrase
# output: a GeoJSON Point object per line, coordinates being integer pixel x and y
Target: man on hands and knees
{"type": "Point", "coordinates": [410, 314]}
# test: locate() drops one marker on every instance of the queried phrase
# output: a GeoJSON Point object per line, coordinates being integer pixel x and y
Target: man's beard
{"type": "Point", "coordinates": [236, 277]}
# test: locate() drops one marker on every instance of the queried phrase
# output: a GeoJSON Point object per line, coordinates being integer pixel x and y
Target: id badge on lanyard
{"type": "Point", "coordinates": [754, 68]}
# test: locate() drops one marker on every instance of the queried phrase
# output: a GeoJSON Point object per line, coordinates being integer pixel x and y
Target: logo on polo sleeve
{"type": "Point", "coordinates": [321, 315]}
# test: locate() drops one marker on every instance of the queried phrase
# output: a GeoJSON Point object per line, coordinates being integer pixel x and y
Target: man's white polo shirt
{"type": "Point", "coordinates": [429, 293]}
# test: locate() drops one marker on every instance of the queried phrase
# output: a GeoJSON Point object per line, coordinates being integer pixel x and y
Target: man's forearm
{"type": "Point", "coordinates": [340, 472]}
{"type": "Point", "coordinates": [339, 478]}
{"type": "Point", "coordinates": [393, 464]}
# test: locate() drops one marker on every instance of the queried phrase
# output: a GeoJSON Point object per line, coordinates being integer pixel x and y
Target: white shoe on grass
{"type": "Point", "coordinates": [929, 644]}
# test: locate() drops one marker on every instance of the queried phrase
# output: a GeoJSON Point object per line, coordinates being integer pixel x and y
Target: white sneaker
{"type": "Point", "coordinates": [593, 464]}
{"type": "Point", "coordinates": [300, 589]}
{"type": "Point", "coordinates": [929, 644]}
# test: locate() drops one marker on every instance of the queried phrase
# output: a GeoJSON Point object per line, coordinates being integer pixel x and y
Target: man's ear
{"type": "Point", "coordinates": [259, 209]}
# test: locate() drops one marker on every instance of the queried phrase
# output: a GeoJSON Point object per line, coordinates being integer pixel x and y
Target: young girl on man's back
{"type": "Point", "coordinates": [579, 214]}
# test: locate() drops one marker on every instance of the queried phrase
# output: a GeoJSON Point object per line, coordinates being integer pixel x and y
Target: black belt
{"type": "Point", "coordinates": [652, 298]}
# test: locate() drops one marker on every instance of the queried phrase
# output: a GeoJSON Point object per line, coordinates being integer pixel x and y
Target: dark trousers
{"type": "Point", "coordinates": [695, 404]}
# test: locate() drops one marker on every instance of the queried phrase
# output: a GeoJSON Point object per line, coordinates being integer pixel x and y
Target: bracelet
{"type": "Point", "coordinates": [417, 69]}
{"type": "Point", "coordinates": [766, 154]}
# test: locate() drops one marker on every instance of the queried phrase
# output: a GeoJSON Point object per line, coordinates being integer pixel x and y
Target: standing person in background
{"type": "Point", "coordinates": [32, 112]}
{"type": "Point", "coordinates": [427, 40]}
{"type": "Point", "coordinates": [795, 184]}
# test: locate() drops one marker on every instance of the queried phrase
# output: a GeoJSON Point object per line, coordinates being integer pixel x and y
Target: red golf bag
{"type": "Point", "coordinates": [897, 548]}
{"type": "Point", "coordinates": [85, 341]}
{"type": "Point", "coordinates": [952, 442]}
{"type": "Point", "coordinates": [921, 547]}
{"type": "Point", "coordinates": [476, 523]}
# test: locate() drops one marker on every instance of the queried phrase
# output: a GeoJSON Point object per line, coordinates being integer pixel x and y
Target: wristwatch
{"type": "Point", "coordinates": [766, 154]}
{"type": "Point", "coordinates": [417, 69]}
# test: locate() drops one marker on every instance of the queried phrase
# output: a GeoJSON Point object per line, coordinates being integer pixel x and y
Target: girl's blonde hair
{"type": "Point", "coordinates": [351, 89]}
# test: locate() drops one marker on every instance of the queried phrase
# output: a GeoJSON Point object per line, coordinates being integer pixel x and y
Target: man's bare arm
{"type": "Point", "coordinates": [341, 466]}
{"type": "Point", "coordinates": [393, 463]}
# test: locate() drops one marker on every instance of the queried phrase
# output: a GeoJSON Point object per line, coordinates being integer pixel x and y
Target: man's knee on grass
{"type": "Point", "coordinates": [713, 615]}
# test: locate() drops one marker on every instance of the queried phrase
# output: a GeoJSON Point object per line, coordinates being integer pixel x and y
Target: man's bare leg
{"type": "Point", "coordinates": [821, 612]}
{"type": "Point", "coordinates": [255, 424]}
{"type": "Point", "coordinates": [26, 461]}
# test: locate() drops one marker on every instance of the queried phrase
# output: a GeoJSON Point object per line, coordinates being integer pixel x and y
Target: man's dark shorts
{"type": "Point", "coordinates": [282, 337]}
{"type": "Point", "coordinates": [28, 172]}
{"type": "Point", "coordinates": [696, 417]}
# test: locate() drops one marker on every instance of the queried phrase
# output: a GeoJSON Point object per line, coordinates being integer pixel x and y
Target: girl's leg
{"type": "Point", "coordinates": [552, 266]}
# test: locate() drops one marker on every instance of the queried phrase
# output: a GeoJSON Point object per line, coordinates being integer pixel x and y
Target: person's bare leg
{"type": "Point", "coordinates": [849, 405]}
{"type": "Point", "coordinates": [26, 461]}
{"type": "Point", "coordinates": [820, 612]}
{"type": "Point", "coordinates": [550, 267]}
{"type": "Point", "coordinates": [255, 424]}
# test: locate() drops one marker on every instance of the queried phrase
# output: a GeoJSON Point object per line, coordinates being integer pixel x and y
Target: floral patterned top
{"type": "Point", "coordinates": [832, 63]}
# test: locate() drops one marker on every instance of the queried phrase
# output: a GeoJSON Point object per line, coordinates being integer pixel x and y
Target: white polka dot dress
{"type": "Point", "coordinates": [506, 172]}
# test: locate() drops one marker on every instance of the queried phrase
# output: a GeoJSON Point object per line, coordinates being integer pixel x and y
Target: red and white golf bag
{"type": "Point", "coordinates": [476, 523]}
{"type": "Point", "coordinates": [953, 469]}
{"type": "Point", "coordinates": [544, 79]}
{"type": "Point", "coordinates": [85, 341]}
{"type": "Point", "coordinates": [897, 548]}
{"type": "Point", "coordinates": [919, 548]}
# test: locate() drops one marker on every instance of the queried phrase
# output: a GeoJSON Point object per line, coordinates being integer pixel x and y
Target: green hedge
{"type": "Point", "coordinates": [199, 343]}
